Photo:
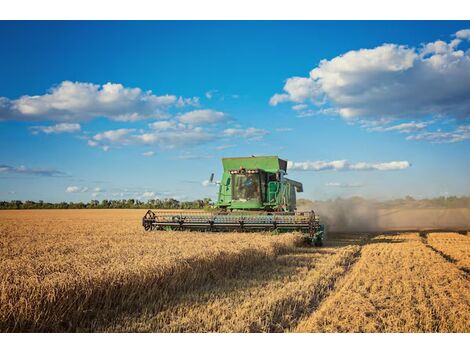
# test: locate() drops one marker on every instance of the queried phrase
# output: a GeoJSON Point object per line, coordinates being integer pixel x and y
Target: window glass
{"type": "Point", "coordinates": [246, 187]}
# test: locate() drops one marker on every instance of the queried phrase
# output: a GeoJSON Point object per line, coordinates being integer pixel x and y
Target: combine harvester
{"type": "Point", "coordinates": [254, 195]}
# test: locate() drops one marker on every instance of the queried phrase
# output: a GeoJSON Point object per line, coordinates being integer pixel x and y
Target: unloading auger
{"type": "Point", "coordinates": [254, 195]}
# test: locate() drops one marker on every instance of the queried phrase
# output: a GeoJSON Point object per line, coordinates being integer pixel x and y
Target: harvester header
{"type": "Point", "coordinates": [254, 194]}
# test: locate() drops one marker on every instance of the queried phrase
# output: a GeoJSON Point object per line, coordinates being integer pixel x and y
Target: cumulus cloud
{"type": "Point", "coordinates": [80, 101]}
{"type": "Point", "coordinates": [118, 135]}
{"type": "Point", "coordinates": [58, 128]}
{"type": "Point", "coordinates": [162, 125]}
{"type": "Point", "coordinates": [173, 138]}
{"type": "Point", "coordinates": [76, 189]}
{"type": "Point", "coordinates": [178, 135]}
{"type": "Point", "coordinates": [297, 89]}
{"type": "Point", "coordinates": [391, 80]}
{"type": "Point", "coordinates": [463, 34]}
{"type": "Point", "coordinates": [344, 165]}
{"type": "Point", "coordinates": [250, 133]}
{"type": "Point", "coordinates": [197, 117]}
{"type": "Point", "coordinates": [30, 171]}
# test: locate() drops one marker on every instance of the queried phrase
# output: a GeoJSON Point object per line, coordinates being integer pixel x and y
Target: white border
{"type": "Point", "coordinates": [234, 9]}
{"type": "Point", "coordinates": [234, 342]}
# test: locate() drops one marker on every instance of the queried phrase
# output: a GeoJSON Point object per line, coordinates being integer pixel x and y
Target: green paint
{"type": "Point", "coordinates": [273, 190]}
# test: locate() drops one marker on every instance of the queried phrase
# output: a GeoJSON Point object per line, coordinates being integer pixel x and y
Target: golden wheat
{"type": "Point", "coordinates": [269, 298]}
{"type": "Point", "coordinates": [69, 270]}
{"type": "Point", "coordinates": [82, 270]}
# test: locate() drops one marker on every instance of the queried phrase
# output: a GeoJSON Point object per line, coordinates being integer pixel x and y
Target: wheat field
{"type": "Point", "coordinates": [98, 271]}
{"type": "Point", "coordinates": [455, 247]}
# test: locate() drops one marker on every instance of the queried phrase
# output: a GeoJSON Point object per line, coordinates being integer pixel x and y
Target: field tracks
{"type": "Point", "coordinates": [453, 247]}
{"type": "Point", "coordinates": [398, 285]}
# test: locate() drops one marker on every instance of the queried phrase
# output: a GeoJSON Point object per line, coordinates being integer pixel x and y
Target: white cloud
{"type": "Point", "coordinates": [197, 117]}
{"type": "Point", "coordinates": [299, 107]}
{"type": "Point", "coordinates": [148, 195]}
{"type": "Point", "coordinates": [344, 165]}
{"type": "Point", "coordinates": [250, 133]}
{"type": "Point", "coordinates": [149, 153]}
{"type": "Point", "coordinates": [177, 137]}
{"type": "Point", "coordinates": [92, 143]}
{"type": "Point", "coordinates": [317, 112]}
{"type": "Point", "coordinates": [76, 189]}
{"type": "Point", "coordinates": [390, 80]}
{"type": "Point", "coordinates": [298, 89]}
{"type": "Point", "coordinates": [463, 34]}
{"type": "Point", "coordinates": [461, 133]}
{"type": "Point", "coordinates": [406, 127]}
{"type": "Point", "coordinates": [162, 125]}
{"type": "Point", "coordinates": [171, 136]}
{"type": "Point", "coordinates": [392, 165]}
{"type": "Point", "coordinates": [284, 129]}
{"type": "Point", "coordinates": [210, 93]}
{"type": "Point", "coordinates": [30, 171]}
{"type": "Point", "coordinates": [58, 128]}
{"type": "Point", "coordinates": [79, 101]}
{"type": "Point", "coordinates": [119, 135]}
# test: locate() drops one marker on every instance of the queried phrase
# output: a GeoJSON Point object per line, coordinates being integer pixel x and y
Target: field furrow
{"type": "Point", "coordinates": [454, 246]}
{"type": "Point", "coordinates": [398, 285]}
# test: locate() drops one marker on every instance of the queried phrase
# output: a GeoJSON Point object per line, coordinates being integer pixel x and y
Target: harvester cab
{"type": "Point", "coordinates": [257, 183]}
{"type": "Point", "coordinates": [254, 195]}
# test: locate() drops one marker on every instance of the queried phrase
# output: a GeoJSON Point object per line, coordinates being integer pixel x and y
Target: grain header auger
{"type": "Point", "coordinates": [254, 195]}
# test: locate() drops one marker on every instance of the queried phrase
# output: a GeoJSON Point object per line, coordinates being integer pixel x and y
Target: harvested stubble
{"type": "Point", "coordinates": [454, 246]}
{"type": "Point", "coordinates": [73, 270]}
{"type": "Point", "coordinates": [398, 285]}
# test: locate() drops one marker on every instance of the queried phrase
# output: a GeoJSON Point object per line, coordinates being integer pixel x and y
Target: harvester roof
{"type": "Point", "coordinates": [266, 163]}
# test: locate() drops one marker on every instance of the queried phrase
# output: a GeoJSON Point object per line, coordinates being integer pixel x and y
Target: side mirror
{"type": "Point", "coordinates": [211, 179]}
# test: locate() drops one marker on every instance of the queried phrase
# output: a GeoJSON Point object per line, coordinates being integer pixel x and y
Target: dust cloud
{"type": "Point", "coordinates": [351, 215]}
{"type": "Point", "coordinates": [363, 215]}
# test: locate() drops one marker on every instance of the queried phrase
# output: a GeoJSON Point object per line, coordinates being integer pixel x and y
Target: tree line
{"type": "Point", "coordinates": [168, 203]}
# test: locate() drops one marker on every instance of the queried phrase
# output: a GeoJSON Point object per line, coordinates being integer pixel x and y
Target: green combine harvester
{"type": "Point", "coordinates": [254, 195]}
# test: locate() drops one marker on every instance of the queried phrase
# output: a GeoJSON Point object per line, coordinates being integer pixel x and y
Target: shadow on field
{"type": "Point", "coordinates": [91, 305]}
{"type": "Point", "coordinates": [279, 272]}
{"type": "Point", "coordinates": [97, 306]}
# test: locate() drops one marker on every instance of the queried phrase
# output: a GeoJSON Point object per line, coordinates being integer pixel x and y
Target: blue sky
{"type": "Point", "coordinates": [385, 114]}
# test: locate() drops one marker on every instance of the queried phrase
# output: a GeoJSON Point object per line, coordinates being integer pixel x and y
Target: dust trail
{"type": "Point", "coordinates": [351, 215]}
{"type": "Point", "coordinates": [358, 214]}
